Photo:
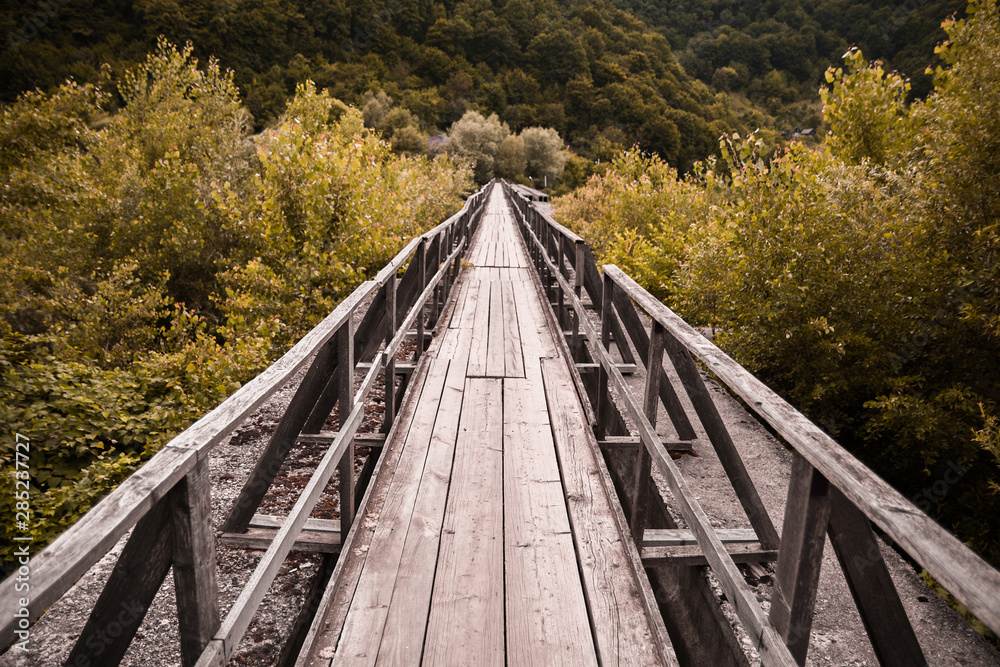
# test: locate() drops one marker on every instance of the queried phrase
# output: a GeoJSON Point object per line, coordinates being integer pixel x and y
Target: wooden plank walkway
{"type": "Point", "coordinates": [492, 538]}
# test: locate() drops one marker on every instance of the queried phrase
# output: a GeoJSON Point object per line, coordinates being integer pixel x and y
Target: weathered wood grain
{"type": "Point", "coordinates": [874, 593]}
{"type": "Point", "coordinates": [362, 634]}
{"type": "Point", "coordinates": [466, 624]}
{"type": "Point", "coordinates": [195, 580]}
{"type": "Point", "coordinates": [796, 576]}
{"type": "Point", "coordinates": [406, 623]}
{"type": "Point", "coordinates": [546, 613]}
{"type": "Point", "coordinates": [955, 566]}
{"type": "Point", "coordinates": [621, 605]}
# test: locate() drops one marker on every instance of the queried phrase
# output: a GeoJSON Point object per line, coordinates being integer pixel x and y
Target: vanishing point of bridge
{"type": "Point", "coordinates": [478, 558]}
{"type": "Point", "coordinates": [521, 505]}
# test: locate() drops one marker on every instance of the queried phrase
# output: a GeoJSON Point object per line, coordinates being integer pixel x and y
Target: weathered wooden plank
{"type": "Point", "coordinates": [362, 634]}
{"type": "Point", "coordinates": [374, 440]}
{"type": "Point", "coordinates": [406, 623]}
{"type": "Point", "coordinates": [480, 341]}
{"type": "Point", "coordinates": [495, 346]}
{"type": "Point", "coordinates": [546, 614]}
{"type": "Point", "coordinates": [955, 566]}
{"type": "Point", "coordinates": [796, 575]}
{"type": "Point", "coordinates": [309, 541]}
{"type": "Point", "coordinates": [692, 555]}
{"type": "Point", "coordinates": [195, 583]}
{"type": "Point", "coordinates": [513, 356]}
{"type": "Point", "coordinates": [324, 633]}
{"type": "Point", "coordinates": [388, 359]}
{"type": "Point", "coordinates": [678, 537]}
{"type": "Point", "coordinates": [874, 593]}
{"type": "Point", "coordinates": [623, 610]}
{"type": "Point", "coordinates": [129, 591]}
{"type": "Point", "coordinates": [466, 624]}
{"type": "Point", "coordinates": [345, 468]}
{"type": "Point", "coordinates": [632, 442]}
{"type": "Point", "coordinates": [461, 300]}
{"type": "Point", "coordinates": [643, 464]}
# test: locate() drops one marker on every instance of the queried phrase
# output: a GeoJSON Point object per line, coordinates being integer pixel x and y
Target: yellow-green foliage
{"type": "Point", "coordinates": [636, 216]}
{"type": "Point", "coordinates": [858, 279]}
{"type": "Point", "coordinates": [156, 257]}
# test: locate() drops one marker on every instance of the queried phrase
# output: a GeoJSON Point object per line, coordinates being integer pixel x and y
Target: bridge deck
{"type": "Point", "coordinates": [476, 556]}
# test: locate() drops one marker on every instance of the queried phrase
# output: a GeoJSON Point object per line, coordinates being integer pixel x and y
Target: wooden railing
{"type": "Point", "coordinates": [830, 492]}
{"type": "Point", "coordinates": [167, 501]}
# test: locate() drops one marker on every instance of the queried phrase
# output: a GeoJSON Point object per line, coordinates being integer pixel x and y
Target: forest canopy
{"type": "Point", "coordinates": [154, 255]}
{"type": "Point", "coordinates": [595, 74]}
{"type": "Point", "coordinates": [858, 279]}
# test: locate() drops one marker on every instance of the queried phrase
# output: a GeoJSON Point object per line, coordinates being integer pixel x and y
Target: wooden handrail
{"type": "Point", "coordinates": [960, 570]}
{"type": "Point", "coordinates": [770, 645]}
{"type": "Point", "coordinates": [56, 568]}
{"type": "Point", "coordinates": [856, 494]}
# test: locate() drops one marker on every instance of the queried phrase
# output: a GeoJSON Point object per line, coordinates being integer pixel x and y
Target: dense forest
{"type": "Point", "coordinates": [155, 257]}
{"type": "Point", "coordinates": [777, 51]}
{"type": "Point", "coordinates": [595, 74]}
{"type": "Point", "coordinates": [860, 278]}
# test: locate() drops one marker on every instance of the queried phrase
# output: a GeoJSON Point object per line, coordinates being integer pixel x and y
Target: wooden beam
{"type": "Point", "coordinates": [309, 541]}
{"type": "Point", "coordinates": [195, 583]}
{"type": "Point", "coordinates": [129, 591]}
{"type": "Point", "coordinates": [374, 440]}
{"type": "Point", "coordinates": [874, 593]}
{"type": "Point", "coordinates": [650, 402]}
{"type": "Point", "coordinates": [633, 442]}
{"type": "Point", "coordinates": [796, 577]}
{"type": "Point", "coordinates": [389, 360]}
{"type": "Point", "coordinates": [590, 367]}
{"type": "Point", "coordinates": [345, 360]}
{"type": "Point", "coordinates": [679, 537]}
{"type": "Point", "coordinates": [693, 556]}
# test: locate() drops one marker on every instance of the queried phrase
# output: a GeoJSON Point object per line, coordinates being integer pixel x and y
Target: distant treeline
{"type": "Point", "coordinates": [595, 73]}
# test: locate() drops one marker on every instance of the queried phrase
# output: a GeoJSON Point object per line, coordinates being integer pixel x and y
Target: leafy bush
{"type": "Point", "coordinates": [858, 279]}
{"type": "Point", "coordinates": [158, 256]}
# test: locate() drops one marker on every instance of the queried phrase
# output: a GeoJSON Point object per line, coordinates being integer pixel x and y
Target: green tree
{"type": "Point", "coordinates": [544, 154]}
{"type": "Point", "coordinates": [477, 140]}
{"type": "Point", "coordinates": [511, 159]}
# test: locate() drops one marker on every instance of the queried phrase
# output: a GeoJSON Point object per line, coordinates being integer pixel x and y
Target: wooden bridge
{"type": "Point", "coordinates": [523, 504]}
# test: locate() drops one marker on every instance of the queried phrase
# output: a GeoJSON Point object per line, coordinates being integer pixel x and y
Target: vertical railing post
{"type": "Point", "coordinates": [195, 584]}
{"type": "Point", "coordinates": [345, 372]}
{"type": "Point", "coordinates": [650, 403]}
{"type": "Point", "coordinates": [435, 295]}
{"type": "Point", "coordinates": [807, 513]}
{"type": "Point", "coordinates": [603, 394]}
{"type": "Point", "coordinates": [578, 291]}
{"type": "Point", "coordinates": [421, 259]}
{"type": "Point", "coordinates": [389, 360]}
